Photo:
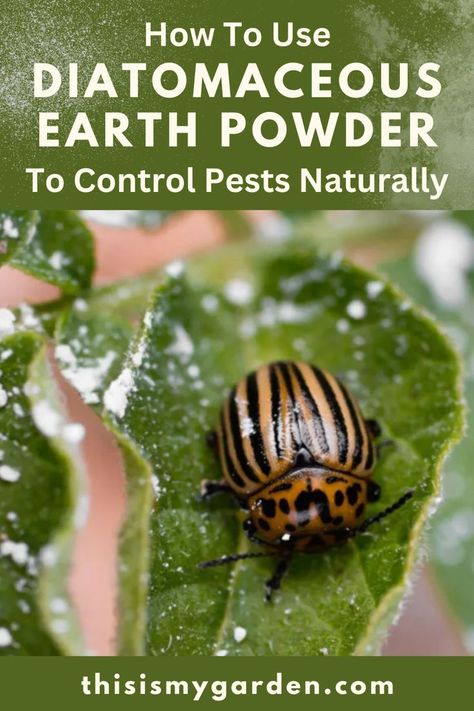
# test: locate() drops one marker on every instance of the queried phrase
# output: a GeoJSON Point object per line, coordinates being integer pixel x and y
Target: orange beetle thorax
{"type": "Point", "coordinates": [306, 504]}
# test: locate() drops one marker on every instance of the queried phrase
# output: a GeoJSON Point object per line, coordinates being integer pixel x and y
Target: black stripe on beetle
{"type": "Point", "coordinates": [275, 396]}
{"type": "Point", "coordinates": [340, 423]}
{"type": "Point", "coordinates": [229, 466]}
{"type": "Point", "coordinates": [256, 437]}
{"type": "Point", "coordinates": [237, 438]}
{"type": "Point", "coordinates": [317, 419]}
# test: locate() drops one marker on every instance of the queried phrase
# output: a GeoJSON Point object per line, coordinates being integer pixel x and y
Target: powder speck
{"type": "Point", "coordinates": [9, 228]}
{"type": "Point", "coordinates": [18, 552]}
{"type": "Point", "coordinates": [209, 303]}
{"type": "Point", "coordinates": [73, 433]}
{"type": "Point", "coordinates": [58, 605]}
{"type": "Point", "coordinates": [56, 260]}
{"type": "Point", "coordinates": [174, 269]}
{"type": "Point", "coordinates": [5, 637]}
{"type": "Point", "coordinates": [47, 420]}
{"type": "Point", "coordinates": [9, 474]}
{"type": "Point", "coordinates": [116, 395]}
{"type": "Point", "coordinates": [240, 634]}
{"type": "Point", "coordinates": [3, 397]}
{"type": "Point", "coordinates": [238, 292]}
{"type": "Point", "coordinates": [356, 309]}
{"type": "Point", "coordinates": [343, 325]}
{"type": "Point", "coordinates": [182, 345]}
{"type": "Point", "coordinates": [64, 353]}
{"type": "Point", "coordinates": [374, 288]}
{"type": "Point", "coordinates": [7, 321]}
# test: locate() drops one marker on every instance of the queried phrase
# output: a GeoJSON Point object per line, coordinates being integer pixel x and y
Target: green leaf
{"type": "Point", "coordinates": [236, 309]}
{"type": "Point", "coordinates": [452, 535]}
{"type": "Point", "coordinates": [92, 342]}
{"type": "Point", "coordinates": [59, 251]}
{"type": "Point", "coordinates": [41, 503]}
{"type": "Point", "coordinates": [17, 227]}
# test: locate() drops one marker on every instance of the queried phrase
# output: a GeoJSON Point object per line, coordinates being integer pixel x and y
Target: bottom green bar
{"type": "Point", "coordinates": [257, 683]}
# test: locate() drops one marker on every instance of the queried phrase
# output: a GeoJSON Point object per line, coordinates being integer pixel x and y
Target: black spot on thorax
{"type": "Point", "coordinates": [284, 506]}
{"type": "Point", "coordinates": [353, 493]}
{"type": "Point", "coordinates": [268, 507]}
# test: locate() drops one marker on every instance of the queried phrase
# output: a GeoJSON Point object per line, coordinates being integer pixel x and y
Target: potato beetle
{"type": "Point", "coordinates": [298, 455]}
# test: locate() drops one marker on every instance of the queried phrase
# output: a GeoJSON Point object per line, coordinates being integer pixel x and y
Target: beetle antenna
{"type": "Point", "coordinates": [224, 559]}
{"type": "Point", "coordinates": [386, 512]}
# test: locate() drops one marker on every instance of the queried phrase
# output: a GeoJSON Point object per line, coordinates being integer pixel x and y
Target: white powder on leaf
{"type": "Point", "coordinates": [49, 555]}
{"type": "Point", "coordinates": [182, 345]}
{"type": "Point", "coordinates": [5, 637]}
{"type": "Point", "coordinates": [137, 356]}
{"type": "Point", "coordinates": [57, 260]}
{"type": "Point", "coordinates": [7, 322]}
{"type": "Point", "coordinates": [356, 309]}
{"type": "Point", "coordinates": [58, 606]}
{"type": "Point", "coordinates": [343, 325]}
{"type": "Point", "coordinates": [51, 423]}
{"type": "Point", "coordinates": [24, 607]}
{"type": "Point", "coordinates": [239, 292]}
{"type": "Point", "coordinates": [46, 419]}
{"type": "Point", "coordinates": [80, 305]}
{"type": "Point", "coordinates": [116, 395]}
{"type": "Point", "coordinates": [209, 303]}
{"type": "Point", "coordinates": [88, 378]}
{"type": "Point", "coordinates": [18, 410]}
{"type": "Point", "coordinates": [63, 352]}
{"type": "Point", "coordinates": [3, 397]}
{"type": "Point", "coordinates": [30, 389]}
{"type": "Point", "coordinates": [18, 552]}
{"type": "Point", "coordinates": [9, 474]}
{"type": "Point", "coordinates": [9, 228]}
{"type": "Point", "coordinates": [240, 634]}
{"type": "Point", "coordinates": [174, 269]}
{"type": "Point", "coordinates": [193, 371]}
{"type": "Point", "coordinates": [73, 432]}
{"type": "Point", "coordinates": [28, 317]}
{"type": "Point", "coordinates": [374, 288]}
{"type": "Point", "coordinates": [60, 626]}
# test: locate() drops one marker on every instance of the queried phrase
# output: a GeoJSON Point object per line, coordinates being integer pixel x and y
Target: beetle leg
{"type": "Point", "coordinates": [386, 512]}
{"type": "Point", "coordinates": [250, 531]}
{"type": "Point", "coordinates": [375, 431]}
{"type": "Point", "coordinates": [211, 440]}
{"type": "Point", "coordinates": [373, 491]}
{"type": "Point", "coordinates": [275, 581]}
{"type": "Point", "coordinates": [209, 487]}
{"type": "Point", "coordinates": [374, 428]}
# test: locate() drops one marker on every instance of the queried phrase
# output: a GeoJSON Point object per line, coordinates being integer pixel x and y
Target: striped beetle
{"type": "Point", "coordinates": [298, 455]}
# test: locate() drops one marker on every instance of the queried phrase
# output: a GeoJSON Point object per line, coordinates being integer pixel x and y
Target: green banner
{"type": "Point", "coordinates": [345, 104]}
{"type": "Point", "coordinates": [190, 682]}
